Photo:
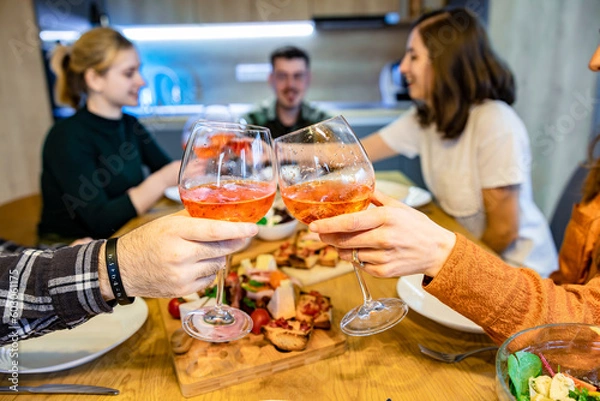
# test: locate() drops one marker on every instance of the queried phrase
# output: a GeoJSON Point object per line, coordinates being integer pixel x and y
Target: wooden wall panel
{"type": "Point", "coordinates": [24, 104]}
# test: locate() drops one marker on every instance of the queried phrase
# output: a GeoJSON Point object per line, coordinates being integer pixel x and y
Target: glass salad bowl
{"type": "Point", "coordinates": [558, 351]}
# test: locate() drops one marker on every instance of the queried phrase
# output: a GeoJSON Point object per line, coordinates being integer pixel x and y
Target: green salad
{"type": "Point", "coordinates": [533, 379]}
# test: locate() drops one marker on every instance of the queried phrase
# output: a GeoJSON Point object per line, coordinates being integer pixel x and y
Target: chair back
{"type": "Point", "coordinates": [570, 196]}
{"type": "Point", "coordinates": [19, 219]}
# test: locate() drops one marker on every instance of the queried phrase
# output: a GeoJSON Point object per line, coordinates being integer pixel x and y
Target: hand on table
{"type": "Point", "coordinates": [170, 173]}
{"type": "Point", "coordinates": [391, 239]}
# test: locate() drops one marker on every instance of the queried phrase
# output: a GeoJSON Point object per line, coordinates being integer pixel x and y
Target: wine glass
{"type": "Point", "coordinates": [227, 173]}
{"type": "Point", "coordinates": [324, 172]}
{"type": "Point", "coordinates": [211, 112]}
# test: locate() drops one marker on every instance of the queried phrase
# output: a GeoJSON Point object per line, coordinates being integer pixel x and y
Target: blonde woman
{"type": "Point", "coordinates": [93, 177]}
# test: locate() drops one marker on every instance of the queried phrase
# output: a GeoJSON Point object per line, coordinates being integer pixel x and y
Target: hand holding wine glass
{"type": "Point", "coordinates": [227, 174]}
{"type": "Point", "coordinates": [324, 172]}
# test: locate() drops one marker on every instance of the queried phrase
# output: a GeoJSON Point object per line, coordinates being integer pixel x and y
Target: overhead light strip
{"type": "Point", "coordinates": [53, 36]}
{"type": "Point", "coordinates": [154, 33]}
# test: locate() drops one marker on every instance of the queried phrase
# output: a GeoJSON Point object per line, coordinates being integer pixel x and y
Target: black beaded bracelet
{"type": "Point", "coordinates": [114, 275]}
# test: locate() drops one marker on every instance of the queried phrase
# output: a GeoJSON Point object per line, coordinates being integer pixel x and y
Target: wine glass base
{"type": "Point", "coordinates": [378, 316]}
{"type": "Point", "coordinates": [195, 324]}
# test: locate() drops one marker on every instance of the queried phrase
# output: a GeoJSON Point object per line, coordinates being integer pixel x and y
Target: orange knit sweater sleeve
{"type": "Point", "coordinates": [503, 299]}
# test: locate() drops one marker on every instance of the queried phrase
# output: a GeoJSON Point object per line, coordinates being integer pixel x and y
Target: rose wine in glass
{"type": "Point", "coordinates": [226, 174]}
{"type": "Point", "coordinates": [324, 172]}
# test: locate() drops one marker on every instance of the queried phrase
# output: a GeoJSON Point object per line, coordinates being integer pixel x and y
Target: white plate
{"type": "Point", "coordinates": [173, 193]}
{"type": "Point", "coordinates": [65, 349]}
{"type": "Point", "coordinates": [410, 290]}
{"type": "Point", "coordinates": [412, 196]}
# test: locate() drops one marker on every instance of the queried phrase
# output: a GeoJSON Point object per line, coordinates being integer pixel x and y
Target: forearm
{"type": "Point", "coordinates": [376, 148]}
{"type": "Point", "coordinates": [498, 239]}
{"type": "Point", "coordinates": [502, 217]}
{"type": "Point", "coordinates": [61, 288]}
{"type": "Point", "coordinates": [503, 299]}
{"type": "Point", "coordinates": [146, 194]}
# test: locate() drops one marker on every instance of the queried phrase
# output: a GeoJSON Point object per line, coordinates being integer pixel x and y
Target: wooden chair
{"type": "Point", "coordinates": [19, 219]}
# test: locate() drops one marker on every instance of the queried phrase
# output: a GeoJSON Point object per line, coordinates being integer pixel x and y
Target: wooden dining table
{"type": "Point", "coordinates": [381, 367]}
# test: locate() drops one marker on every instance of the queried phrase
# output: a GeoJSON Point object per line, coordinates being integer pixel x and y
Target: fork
{"type": "Point", "coordinates": [451, 358]}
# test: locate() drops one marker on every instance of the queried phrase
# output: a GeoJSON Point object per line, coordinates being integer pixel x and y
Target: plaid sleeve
{"type": "Point", "coordinates": [47, 290]}
{"type": "Point", "coordinates": [9, 247]}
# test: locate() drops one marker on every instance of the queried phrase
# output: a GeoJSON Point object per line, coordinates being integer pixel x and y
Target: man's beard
{"type": "Point", "coordinates": [289, 106]}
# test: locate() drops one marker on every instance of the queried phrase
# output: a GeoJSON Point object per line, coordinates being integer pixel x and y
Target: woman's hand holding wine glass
{"type": "Point", "coordinates": [325, 172]}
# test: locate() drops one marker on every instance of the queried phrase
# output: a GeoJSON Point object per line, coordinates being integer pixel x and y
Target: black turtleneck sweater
{"type": "Point", "coordinates": [89, 163]}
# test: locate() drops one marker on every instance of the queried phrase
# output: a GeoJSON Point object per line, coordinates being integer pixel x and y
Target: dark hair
{"type": "Point", "coordinates": [466, 71]}
{"type": "Point", "coordinates": [591, 186]}
{"type": "Point", "coordinates": [96, 49]}
{"type": "Point", "coordinates": [289, 52]}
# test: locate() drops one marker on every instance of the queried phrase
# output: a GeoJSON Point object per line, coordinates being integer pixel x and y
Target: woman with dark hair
{"type": "Point", "coordinates": [474, 148]}
{"type": "Point", "coordinates": [93, 180]}
{"type": "Point", "coordinates": [395, 240]}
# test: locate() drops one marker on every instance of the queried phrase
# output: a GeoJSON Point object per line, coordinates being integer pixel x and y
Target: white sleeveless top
{"type": "Point", "coordinates": [493, 151]}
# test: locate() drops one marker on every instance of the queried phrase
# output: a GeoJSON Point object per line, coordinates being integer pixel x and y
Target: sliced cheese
{"type": "Point", "coordinates": [245, 266]}
{"type": "Point", "coordinates": [191, 297]}
{"type": "Point", "coordinates": [282, 303]}
{"type": "Point", "coordinates": [266, 262]}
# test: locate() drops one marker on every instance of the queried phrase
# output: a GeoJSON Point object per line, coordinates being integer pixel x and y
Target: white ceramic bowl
{"type": "Point", "coordinates": [573, 347]}
{"type": "Point", "coordinates": [277, 231]}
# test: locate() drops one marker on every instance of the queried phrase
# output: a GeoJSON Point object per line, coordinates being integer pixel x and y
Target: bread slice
{"type": "Point", "coordinates": [329, 256]}
{"type": "Point", "coordinates": [314, 309]}
{"type": "Point", "coordinates": [309, 242]}
{"type": "Point", "coordinates": [303, 262]}
{"type": "Point", "coordinates": [282, 254]}
{"type": "Point", "coordinates": [287, 335]}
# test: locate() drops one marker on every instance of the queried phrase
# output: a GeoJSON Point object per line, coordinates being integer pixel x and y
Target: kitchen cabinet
{"type": "Point", "coordinates": [349, 8]}
{"type": "Point", "coordinates": [212, 11]}
{"type": "Point", "coordinates": [142, 12]}
{"type": "Point", "coordinates": [280, 10]}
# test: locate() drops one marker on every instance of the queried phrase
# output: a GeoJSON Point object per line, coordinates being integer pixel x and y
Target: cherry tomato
{"type": "Point", "coordinates": [260, 317]}
{"type": "Point", "coordinates": [174, 307]}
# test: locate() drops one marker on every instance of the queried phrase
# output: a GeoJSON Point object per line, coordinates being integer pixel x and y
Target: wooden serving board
{"type": "Point", "coordinates": [208, 367]}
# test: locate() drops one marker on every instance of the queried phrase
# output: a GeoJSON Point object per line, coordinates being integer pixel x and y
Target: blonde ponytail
{"type": "Point", "coordinates": [69, 86]}
{"type": "Point", "coordinates": [95, 49]}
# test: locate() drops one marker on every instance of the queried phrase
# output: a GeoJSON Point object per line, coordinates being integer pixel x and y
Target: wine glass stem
{"type": "Point", "coordinates": [221, 274]}
{"type": "Point", "coordinates": [363, 286]}
{"type": "Point", "coordinates": [368, 305]}
{"type": "Point", "coordinates": [218, 315]}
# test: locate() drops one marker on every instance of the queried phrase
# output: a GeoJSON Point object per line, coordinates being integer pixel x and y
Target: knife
{"type": "Point", "coordinates": [58, 389]}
